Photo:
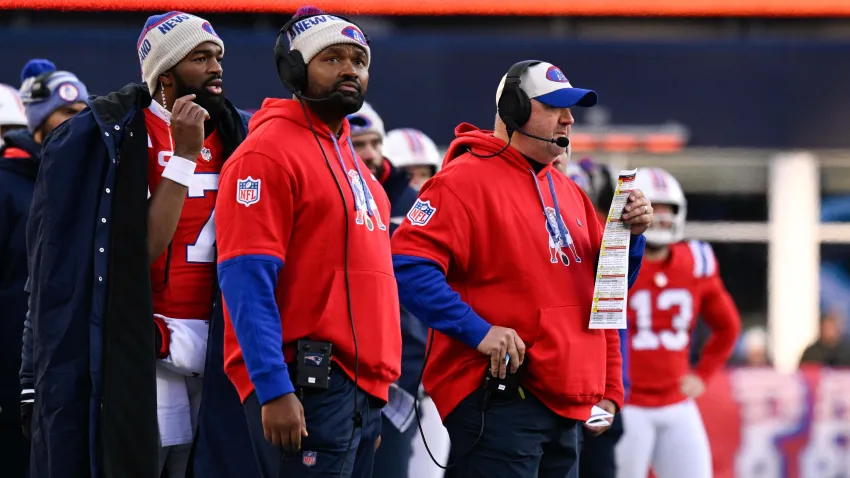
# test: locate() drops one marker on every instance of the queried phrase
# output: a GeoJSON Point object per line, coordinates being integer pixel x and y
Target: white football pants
{"type": "Point", "coordinates": [421, 465]}
{"type": "Point", "coordinates": [670, 439]}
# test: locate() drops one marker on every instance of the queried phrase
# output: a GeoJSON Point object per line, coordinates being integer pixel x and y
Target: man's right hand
{"type": "Point", "coordinates": [284, 423]}
{"type": "Point", "coordinates": [187, 126]}
{"type": "Point", "coordinates": [498, 343]}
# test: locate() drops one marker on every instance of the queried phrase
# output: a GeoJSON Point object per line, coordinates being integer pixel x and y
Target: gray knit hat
{"type": "Point", "coordinates": [168, 38]}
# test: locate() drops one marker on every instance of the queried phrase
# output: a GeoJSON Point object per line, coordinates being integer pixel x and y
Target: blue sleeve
{"type": "Point", "coordinates": [624, 352]}
{"type": "Point", "coordinates": [26, 374]}
{"type": "Point", "coordinates": [248, 284]}
{"type": "Point", "coordinates": [637, 245]}
{"type": "Point", "coordinates": [423, 290]}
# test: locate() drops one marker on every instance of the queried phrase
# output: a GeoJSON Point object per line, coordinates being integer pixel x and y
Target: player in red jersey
{"type": "Point", "coordinates": [677, 283]}
{"type": "Point", "coordinates": [189, 135]}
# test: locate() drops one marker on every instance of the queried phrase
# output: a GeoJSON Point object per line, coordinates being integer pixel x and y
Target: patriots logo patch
{"type": "Point", "coordinates": [555, 74]}
{"type": "Point", "coordinates": [209, 29]}
{"type": "Point", "coordinates": [421, 213]}
{"type": "Point", "coordinates": [355, 34]}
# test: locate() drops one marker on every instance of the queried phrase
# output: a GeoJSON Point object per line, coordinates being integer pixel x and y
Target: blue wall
{"type": "Point", "coordinates": [739, 93]}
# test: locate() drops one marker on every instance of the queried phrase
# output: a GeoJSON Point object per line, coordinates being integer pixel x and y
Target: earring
{"type": "Point", "coordinates": [162, 91]}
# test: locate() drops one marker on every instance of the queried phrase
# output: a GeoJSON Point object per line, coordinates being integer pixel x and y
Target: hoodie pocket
{"type": "Point", "coordinates": [569, 359]}
{"type": "Point", "coordinates": [375, 309]}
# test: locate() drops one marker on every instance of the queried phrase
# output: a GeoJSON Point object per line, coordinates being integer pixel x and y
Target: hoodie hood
{"type": "Point", "coordinates": [469, 138]}
{"type": "Point", "coordinates": [293, 112]}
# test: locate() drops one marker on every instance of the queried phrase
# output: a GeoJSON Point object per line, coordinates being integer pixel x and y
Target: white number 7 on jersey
{"type": "Point", "coordinates": [676, 339]}
{"type": "Point", "coordinates": [203, 250]}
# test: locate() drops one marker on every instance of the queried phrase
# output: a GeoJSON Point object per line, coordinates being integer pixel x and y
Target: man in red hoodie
{"type": "Point", "coordinates": [304, 255]}
{"type": "Point", "coordinates": [474, 260]}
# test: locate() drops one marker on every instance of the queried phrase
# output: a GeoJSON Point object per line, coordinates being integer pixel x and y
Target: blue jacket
{"type": "Point", "coordinates": [19, 158]}
{"type": "Point", "coordinates": [90, 307]}
{"type": "Point", "coordinates": [414, 334]}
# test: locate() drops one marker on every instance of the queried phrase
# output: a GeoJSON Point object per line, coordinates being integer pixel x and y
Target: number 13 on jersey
{"type": "Point", "coordinates": [670, 333]}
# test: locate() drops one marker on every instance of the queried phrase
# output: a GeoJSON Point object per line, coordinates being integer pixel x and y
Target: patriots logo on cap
{"type": "Point", "coordinates": [209, 29]}
{"type": "Point", "coordinates": [69, 92]}
{"type": "Point", "coordinates": [555, 74]}
{"type": "Point", "coordinates": [355, 34]}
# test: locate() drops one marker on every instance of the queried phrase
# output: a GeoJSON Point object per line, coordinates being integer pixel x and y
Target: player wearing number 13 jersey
{"type": "Point", "coordinates": [678, 282]}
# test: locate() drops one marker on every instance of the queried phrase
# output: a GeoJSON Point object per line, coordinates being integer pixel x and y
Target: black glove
{"type": "Point", "coordinates": [26, 419]}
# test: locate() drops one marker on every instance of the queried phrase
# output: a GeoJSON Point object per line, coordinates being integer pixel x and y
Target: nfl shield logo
{"type": "Point", "coordinates": [247, 191]}
{"type": "Point", "coordinates": [308, 458]}
{"type": "Point", "coordinates": [421, 212]}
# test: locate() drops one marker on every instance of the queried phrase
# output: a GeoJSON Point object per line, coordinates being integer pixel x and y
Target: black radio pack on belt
{"type": "Point", "coordinates": [313, 364]}
{"type": "Point", "coordinates": [508, 387]}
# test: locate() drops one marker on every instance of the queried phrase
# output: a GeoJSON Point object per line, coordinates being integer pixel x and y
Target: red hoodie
{"type": "Point", "coordinates": [292, 211]}
{"type": "Point", "coordinates": [488, 232]}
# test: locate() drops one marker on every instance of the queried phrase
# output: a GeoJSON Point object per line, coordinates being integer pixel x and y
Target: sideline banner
{"type": "Point", "coordinates": [763, 424]}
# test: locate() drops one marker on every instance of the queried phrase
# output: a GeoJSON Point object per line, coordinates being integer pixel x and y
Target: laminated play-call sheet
{"type": "Point", "coordinates": [611, 288]}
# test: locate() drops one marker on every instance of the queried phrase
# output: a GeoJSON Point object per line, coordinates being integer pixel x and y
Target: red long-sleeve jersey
{"type": "Point", "coordinates": [664, 303]}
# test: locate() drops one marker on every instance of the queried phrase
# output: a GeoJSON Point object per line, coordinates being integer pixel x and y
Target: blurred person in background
{"type": "Point", "coordinates": [398, 428]}
{"type": "Point", "coordinates": [832, 347]}
{"type": "Point", "coordinates": [414, 152]}
{"type": "Point", "coordinates": [678, 281]}
{"type": "Point", "coordinates": [480, 272]}
{"type": "Point", "coordinates": [753, 349]}
{"type": "Point", "coordinates": [12, 113]}
{"type": "Point", "coordinates": [315, 269]}
{"type": "Point", "coordinates": [50, 97]}
{"type": "Point", "coordinates": [127, 191]}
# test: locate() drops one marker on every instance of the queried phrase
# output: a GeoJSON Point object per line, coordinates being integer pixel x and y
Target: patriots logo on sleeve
{"type": "Point", "coordinates": [421, 213]}
{"type": "Point", "coordinates": [248, 191]}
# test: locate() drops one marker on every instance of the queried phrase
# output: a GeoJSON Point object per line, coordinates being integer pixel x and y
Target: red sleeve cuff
{"type": "Point", "coordinates": [165, 334]}
{"type": "Point", "coordinates": [616, 396]}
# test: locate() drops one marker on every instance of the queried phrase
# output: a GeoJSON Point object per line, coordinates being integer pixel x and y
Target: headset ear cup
{"type": "Point", "coordinates": [523, 111]}
{"type": "Point", "coordinates": [514, 106]}
{"type": "Point", "coordinates": [291, 68]}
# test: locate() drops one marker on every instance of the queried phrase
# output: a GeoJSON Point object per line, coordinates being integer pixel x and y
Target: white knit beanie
{"type": "Point", "coordinates": [315, 33]}
{"type": "Point", "coordinates": [166, 39]}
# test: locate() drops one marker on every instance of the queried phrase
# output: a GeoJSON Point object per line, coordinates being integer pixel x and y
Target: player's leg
{"type": "Point", "coordinates": [682, 447]}
{"type": "Point", "coordinates": [634, 450]}
{"type": "Point", "coordinates": [437, 439]}
{"type": "Point", "coordinates": [177, 462]}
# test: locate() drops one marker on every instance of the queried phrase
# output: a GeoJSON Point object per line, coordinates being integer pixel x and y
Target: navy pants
{"type": "Point", "coordinates": [522, 438]}
{"type": "Point", "coordinates": [329, 425]}
{"type": "Point", "coordinates": [597, 452]}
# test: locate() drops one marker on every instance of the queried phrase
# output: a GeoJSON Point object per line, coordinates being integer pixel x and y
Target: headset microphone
{"type": "Point", "coordinates": [316, 100]}
{"type": "Point", "coordinates": [562, 141]}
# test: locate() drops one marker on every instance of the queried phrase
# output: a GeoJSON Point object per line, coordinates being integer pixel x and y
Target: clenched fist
{"type": "Point", "coordinates": [187, 126]}
{"type": "Point", "coordinates": [498, 343]}
{"type": "Point", "coordinates": [283, 422]}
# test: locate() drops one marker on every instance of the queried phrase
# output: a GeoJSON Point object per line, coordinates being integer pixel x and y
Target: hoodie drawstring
{"type": "Point", "coordinates": [366, 191]}
{"type": "Point", "coordinates": [559, 230]}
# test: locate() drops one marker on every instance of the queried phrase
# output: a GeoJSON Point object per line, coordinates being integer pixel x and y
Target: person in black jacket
{"type": "Point", "coordinates": [49, 98]}
{"type": "Point", "coordinates": [89, 244]}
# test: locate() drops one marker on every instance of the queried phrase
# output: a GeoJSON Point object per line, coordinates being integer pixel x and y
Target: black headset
{"type": "Point", "coordinates": [290, 64]}
{"type": "Point", "coordinates": [514, 104]}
